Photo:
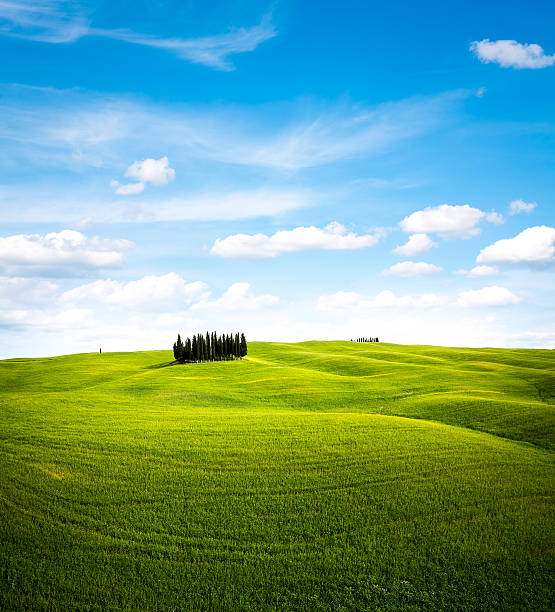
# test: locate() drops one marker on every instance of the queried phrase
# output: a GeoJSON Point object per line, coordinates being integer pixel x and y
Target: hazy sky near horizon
{"type": "Point", "coordinates": [294, 170]}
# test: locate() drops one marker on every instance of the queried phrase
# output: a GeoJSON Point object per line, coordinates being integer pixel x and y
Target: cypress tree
{"type": "Point", "coordinates": [243, 346]}
{"type": "Point", "coordinates": [178, 348]}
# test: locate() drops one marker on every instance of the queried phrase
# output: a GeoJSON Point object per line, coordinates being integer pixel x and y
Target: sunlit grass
{"type": "Point", "coordinates": [291, 479]}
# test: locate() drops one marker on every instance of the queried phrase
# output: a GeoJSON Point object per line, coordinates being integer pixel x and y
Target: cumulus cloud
{"type": "Point", "coordinates": [411, 268]}
{"type": "Point", "coordinates": [445, 220]}
{"type": "Point", "coordinates": [352, 301]}
{"type": "Point", "coordinates": [479, 271]}
{"type": "Point", "coordinates": [127, 189]}
{"type": "Point", "coordinates": [60, 253]}
{"type": "Point", "coordinates": [18, 292]}
{"type": "Point", "coordinates": [511, 54]}
{"type": "Point", "coordinates": [533, 246]}
{"type": "Point", "coordinates": [151, 171]}
{"type": "Point", "coordinates": [237, 297]}
{"type": "Point", "coordinates": [417, 244]}
{"type": "Point", "coordinates": [495, 217]}
{"type": "Point", "coordinates": [138, 314]}
{"type": "Point", "coordinates": [519, 206]}
{"type": "Point", "coordinates": [488, 296]}
{"type": "Point", "coordinates": [260, 246]}
{"type": "Point", "coordinates": [151, 291]}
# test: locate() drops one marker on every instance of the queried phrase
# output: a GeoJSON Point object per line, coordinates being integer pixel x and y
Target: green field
{"type": "Point", "coordinates": [318, 475]}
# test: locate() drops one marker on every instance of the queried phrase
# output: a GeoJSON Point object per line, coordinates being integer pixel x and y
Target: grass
{"type": "Point", "coordinates": [318, 475]}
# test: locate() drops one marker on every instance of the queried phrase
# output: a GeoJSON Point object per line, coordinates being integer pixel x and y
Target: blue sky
{"type": "Point", "coordinates": [297, 170]}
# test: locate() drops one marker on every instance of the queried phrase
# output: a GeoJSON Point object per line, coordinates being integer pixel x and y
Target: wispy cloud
{"type": "Point", "coordinates": [201, 206]}
{"type": "Point", "coordinates": [349, 131]}
{"type": "Point", "coordinates": [51, 21]}
{"type": "Point", "coordinates": [212, 51]}
{"type": "Point", "coordinates": [98, 130]}
{"type": "Point", "coordinates": [61, 21]}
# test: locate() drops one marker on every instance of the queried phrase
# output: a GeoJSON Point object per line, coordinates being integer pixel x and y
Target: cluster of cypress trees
{"type": "Point", "coordinates": [210, 347]}
{"type": "Point", "coordinates": [366, 340]}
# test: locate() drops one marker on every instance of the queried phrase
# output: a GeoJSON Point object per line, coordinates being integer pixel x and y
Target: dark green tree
{"type": "Point", "coordinates": [178, 349]}
{"type": "Point", "coordinates": [243, 346]}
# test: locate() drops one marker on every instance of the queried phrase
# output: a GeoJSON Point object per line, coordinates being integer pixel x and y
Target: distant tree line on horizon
{"type": "Point", "coordinates": [365, 340]}
{"type": "Point", "coordinates": [210, 347]}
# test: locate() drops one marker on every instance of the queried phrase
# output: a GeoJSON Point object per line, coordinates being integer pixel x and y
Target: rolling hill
{"type": "Point", "coordinates": [315, 475]}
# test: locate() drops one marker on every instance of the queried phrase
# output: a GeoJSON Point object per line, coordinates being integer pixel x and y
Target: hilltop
{"type": "Point", "coordinates": [323, 475]}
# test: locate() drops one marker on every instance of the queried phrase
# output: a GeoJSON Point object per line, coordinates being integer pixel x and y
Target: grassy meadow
{"type": "Point", "coordinates": [317, 475]}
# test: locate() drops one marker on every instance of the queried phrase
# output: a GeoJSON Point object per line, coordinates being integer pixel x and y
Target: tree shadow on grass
{"type": "Point", "coordinates": [158, 366]}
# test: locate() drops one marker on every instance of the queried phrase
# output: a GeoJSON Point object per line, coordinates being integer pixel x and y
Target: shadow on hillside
{"type": "Point", "coordinates": [158, 366]}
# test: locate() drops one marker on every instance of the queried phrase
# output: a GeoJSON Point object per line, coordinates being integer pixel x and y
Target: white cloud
{"type": "Point", "coordinates": [411, 268]}
{"type": "Point", "coordinates": [445, 220]}
{"type": "Point", "coordinates": [153, 171]}
{"type": "Point", "coordinates": [417, 244]}
{"type": "Point", "coordinates": [479, 271]}
{"type": "Point", "coordinates": [52, 21]}
{"type": "Point", "coordinates": [519, 206]}
{"type": "Point", "coordinates": [203, 206]}
{"type": "Point", "coordinates": [138, 314]}
{"type": "Point", "coordinates": [65, 127]}
{"type": "Point", "coordinates": [343, 132]}
{"type": "Point", "coordinates": [495, 217]}
{"type": "Point", "coordinates": [210, 51]}
{"type": "Point", "coordinates": [533, 246]}
{"type": "Point", "coordinates": [511, 54]}
{"type": "Point", "coordinates": [60, 252]}
{"type": "Point", "coordinates": [237, 297]}
{"type": "Point", "coordinates": [352, 301]}
{"type": "Point", "coordinates": [260, 246]}
{"type": "Point", "coordinates": [129, 189]}
{"type": "Point", "coordinates": [152, 291]}
{"type": "Point", "coordinates": [63, 21]}
{"type": "Point", "coordinates": [16, 291]}
{"type": "Point", "coordinates": [488, 296]}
